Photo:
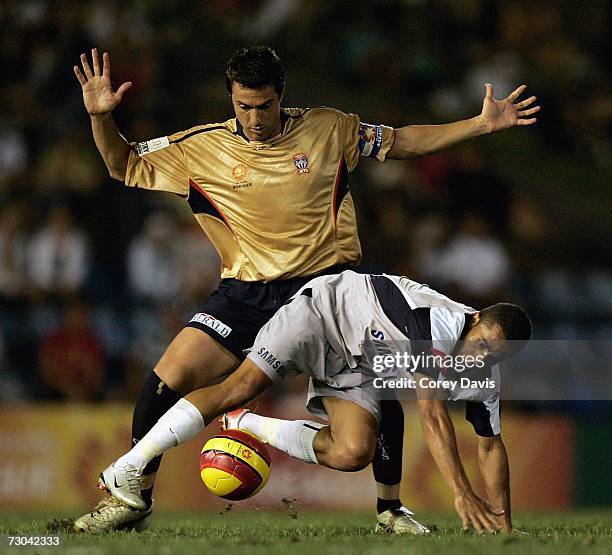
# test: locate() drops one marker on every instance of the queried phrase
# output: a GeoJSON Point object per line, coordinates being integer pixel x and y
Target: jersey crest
{"type": "Point", "coordinates": [301, 163]}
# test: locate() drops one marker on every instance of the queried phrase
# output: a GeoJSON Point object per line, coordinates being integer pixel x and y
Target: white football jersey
{"type": "Point", "coordinates": [367, 315]}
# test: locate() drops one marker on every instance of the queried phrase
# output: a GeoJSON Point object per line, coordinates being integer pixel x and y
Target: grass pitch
{"type": "Point", "coordinates": [301, 532]}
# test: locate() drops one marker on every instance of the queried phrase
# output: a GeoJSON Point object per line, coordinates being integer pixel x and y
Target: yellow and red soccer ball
{"type": "Point", "coordinates": [234, 465]}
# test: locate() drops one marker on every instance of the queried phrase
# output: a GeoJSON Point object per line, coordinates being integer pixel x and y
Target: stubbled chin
{"type": "Point", "coordinates": [258, 137]}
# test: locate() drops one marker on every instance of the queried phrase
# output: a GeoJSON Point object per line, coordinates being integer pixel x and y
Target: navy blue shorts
{"type": "Point", "coordinates": [236, 311]}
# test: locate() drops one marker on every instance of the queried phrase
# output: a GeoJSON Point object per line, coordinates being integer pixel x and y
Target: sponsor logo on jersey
{"type": "Point", "coordinates": [240, 172]}
{"type": "Point", "coordinates": [274, 363]}
{"type": "Point", "coordinates": [217, 325]}
{"type": "Point", "coordinates": [301, 163]}
{"type": "Point", "coordinates": [151, 146]}
{"type": "Point", "coordinates": [370, 139]}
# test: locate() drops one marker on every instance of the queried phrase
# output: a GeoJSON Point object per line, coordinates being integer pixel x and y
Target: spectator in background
{"type": "Point", "coordinates": [149, 339]}
{"type": "Point", "coordinates": [432, 233]}
{"type": "Point", "coordinates": [68, 165]}
{"type": "Point", "coordinates": [13, 151]}
{"type": "Point", "coordinates": [153, 261]}
{"type": "Point", "coordinates": [474, 262]}
{"type": "Point", "coordinates": [13, 241]}
{"type": "Point", "coordinates": [58, 256]}
{"type": "Point", "coordinates": [199, 265]}
{"type": "Point", "coordinates": [57, 265]}
{"type": "Point", "coordinates": [472, 182]}
{"type": "Point", "coordinates": [171, 270]}
{"type": "Point", "coordinates": [154, 265]}
{"type": "Point", "coordinates": [14, 326]}
{"type": "Point", "coordinates": [71, 357]}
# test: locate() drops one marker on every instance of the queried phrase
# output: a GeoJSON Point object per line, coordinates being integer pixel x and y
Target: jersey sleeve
{"type": "Point", "coordinates": [484, 416]}
{"type": "Point", "coordinates": [446, 329]}
{"type": "Point", "coordinates": [159, 165]}
{"type": "Point", "coordinates": [364, 139]}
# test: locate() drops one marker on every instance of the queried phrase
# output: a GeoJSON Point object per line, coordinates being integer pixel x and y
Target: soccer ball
{"type": "Point", "coordinates": [234, 465]}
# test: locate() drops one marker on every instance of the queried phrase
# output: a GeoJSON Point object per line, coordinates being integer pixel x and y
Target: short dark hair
{"type": "Point", "coordinates": [513, 320]}
{"type": "Point", "coordinates": [255, 67]}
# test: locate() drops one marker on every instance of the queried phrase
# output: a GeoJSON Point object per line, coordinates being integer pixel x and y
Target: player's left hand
{"type": "Point", "coordinates": [498, 115]}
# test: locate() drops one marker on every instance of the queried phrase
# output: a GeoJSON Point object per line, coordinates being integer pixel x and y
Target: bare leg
{"type": "Point", "coordinates": [194, 360]}
{"type": "Point", "coordinates": [348, 442]}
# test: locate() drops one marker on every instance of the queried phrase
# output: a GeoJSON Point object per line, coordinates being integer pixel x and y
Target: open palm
{"type": "Point", "coordinates": [98, 94]}
{"type": "Point", "coordinates": [498, 115]}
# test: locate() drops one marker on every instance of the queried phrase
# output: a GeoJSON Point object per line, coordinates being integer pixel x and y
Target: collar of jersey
{"type": "Point", "coordinates": [240, 131]}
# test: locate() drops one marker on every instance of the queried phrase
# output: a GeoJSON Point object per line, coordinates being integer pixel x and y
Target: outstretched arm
{"type": "Point", "coordinates": [493, 463]}
{"type": "Point", "coordinates": [100, 101]}
{"type": "Point", "coordinates": [496, 115]}
{"type": "Point", "coordinates": [440, 437]}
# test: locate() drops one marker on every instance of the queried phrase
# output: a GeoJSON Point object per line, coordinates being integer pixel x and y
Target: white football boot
{"type": "Point", "coordinates": [110, 515]}
{"type": "Point", "coordinates": [231, 420]}
{"type": "Point", "coordinates": [399, 521]}
{"type": "Point", "coordinates": [122, 481]}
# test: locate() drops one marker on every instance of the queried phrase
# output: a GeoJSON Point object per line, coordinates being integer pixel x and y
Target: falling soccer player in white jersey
{"type": "Point", "coordinates": [329, 331]}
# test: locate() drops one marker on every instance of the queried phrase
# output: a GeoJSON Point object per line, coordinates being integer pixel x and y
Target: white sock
{"type": "Point", "coordinates": [291, 436]}
{"type": "Point", "coordinates": [179, 424]}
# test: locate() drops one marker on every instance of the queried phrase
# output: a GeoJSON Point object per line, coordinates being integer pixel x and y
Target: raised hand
{"type": "Point", "coordinates": [476, 512]}
{"type": "Point", "coordinates": [498, 115]}
{"type": "Point", "coordinates": [98, 95]}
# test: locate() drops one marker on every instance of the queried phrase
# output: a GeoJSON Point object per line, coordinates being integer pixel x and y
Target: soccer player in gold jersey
{"type": "Point", "coordinates": [270, 189]}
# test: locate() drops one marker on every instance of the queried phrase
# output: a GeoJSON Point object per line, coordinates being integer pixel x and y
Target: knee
{"type": "Point", "coordinates": [178, 377]}
{"type": "Point", "coordinates": [353, 455]}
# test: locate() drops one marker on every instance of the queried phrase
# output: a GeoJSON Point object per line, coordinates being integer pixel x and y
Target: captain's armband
{"type": "Point", "coordinates": [370, 139]}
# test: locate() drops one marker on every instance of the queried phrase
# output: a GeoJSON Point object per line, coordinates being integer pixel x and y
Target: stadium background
{"type": "Point", "coordinates": [521, 216]}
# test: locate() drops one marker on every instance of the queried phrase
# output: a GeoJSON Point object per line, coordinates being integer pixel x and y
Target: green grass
{"type": "Point", "coordinates": [299, 532]}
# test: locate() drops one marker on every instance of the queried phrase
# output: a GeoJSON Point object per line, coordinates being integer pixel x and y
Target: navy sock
{"type": "Point", "coordinates": [154, 400]}
{"type": "Point", "coordinates": [387, 462]}
{"type": "Point", "coordinates": [383, 505]}
{"type": "Point", "coordinates": [147, 495]}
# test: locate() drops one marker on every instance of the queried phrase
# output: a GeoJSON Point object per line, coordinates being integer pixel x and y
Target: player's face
{"type": "Point", "coordinates": [485, 341]}
{"type": "Point", "coordinates": [258, 111]}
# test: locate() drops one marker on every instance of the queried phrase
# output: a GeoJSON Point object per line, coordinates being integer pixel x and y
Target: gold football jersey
{"type": "Point", "coordinates": [275, 209]}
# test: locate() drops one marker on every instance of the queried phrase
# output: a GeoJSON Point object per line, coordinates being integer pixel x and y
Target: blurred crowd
{"type": "Point", "coordinates": [96, 279]}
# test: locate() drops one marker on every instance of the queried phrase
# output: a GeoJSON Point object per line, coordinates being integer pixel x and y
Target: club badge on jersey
{"type": "Point", "coordinates": [370, 139]}
{"type": "Point", "coordinates": [301, 163]}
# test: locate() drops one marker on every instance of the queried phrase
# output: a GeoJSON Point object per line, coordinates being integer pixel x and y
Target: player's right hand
{"type": "Point", "coordinates": [98, 94]}
{"type": "Point", "coordinates": [477, 512]}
